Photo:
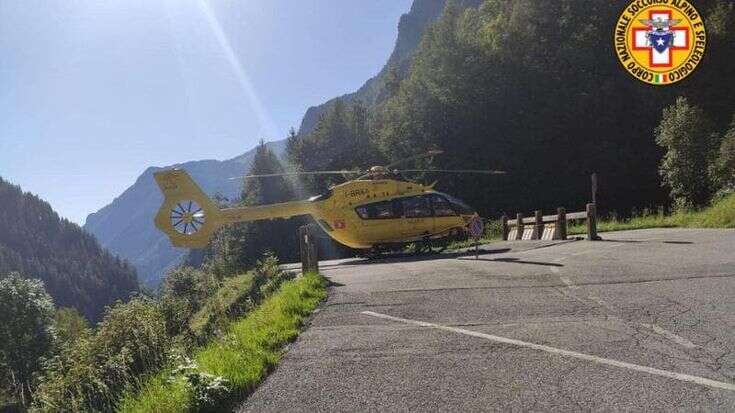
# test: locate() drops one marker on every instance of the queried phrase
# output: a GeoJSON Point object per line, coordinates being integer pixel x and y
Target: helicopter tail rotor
{"type": "Point", "coordinates": [187, 215]}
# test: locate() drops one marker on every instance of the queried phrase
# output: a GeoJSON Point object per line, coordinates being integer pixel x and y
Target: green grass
{"type": "Point", "coordinates": [232, 292]}
{"type": "Point", "coordinates": [720, 215]}
{"type": "Point", "coordinates": [243, 357]}
{"type": "Point", "coordinates": [160, 394]}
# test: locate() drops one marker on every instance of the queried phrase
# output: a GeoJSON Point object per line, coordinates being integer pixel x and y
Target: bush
{"type": "Point", "coordinates": [70, 326]}
{"type": "Point", "coordinates": [184, 292]}
{"type": "Point", "coordinates": [236, 296]}
{"type": "Point", "coordinates": [231, 366]}
{"type": "Point", "coordinates": [91, 375]}
{"type": "Point", "coordinates": [26, 333]}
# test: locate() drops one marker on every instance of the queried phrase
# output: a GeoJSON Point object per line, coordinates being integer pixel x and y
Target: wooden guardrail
{"type": "Point", "coordinates": [549, 227]}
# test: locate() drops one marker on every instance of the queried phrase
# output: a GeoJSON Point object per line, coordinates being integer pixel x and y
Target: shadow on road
{"type": "Point", "coordinates": [631, 241]}
{"type": "Point", "coordinates": [514, 261]}
{"type": "Point", "coordinates": [397, 258]}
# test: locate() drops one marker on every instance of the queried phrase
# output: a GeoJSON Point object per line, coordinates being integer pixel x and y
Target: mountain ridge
{"type": "Point", "coordinates": [125, 226]}
{"type": "Point", "coordinates": [150, 251]}
{"type": "Point", "coordinates": [77, 272]}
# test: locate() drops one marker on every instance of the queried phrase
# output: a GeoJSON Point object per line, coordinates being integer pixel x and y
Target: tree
{"type": "Point", "coordinates": [723, 170]}
{"type": "Point", "coordinates": [236, 248]}
{"type": "Point", "coordinates": [687, 136]}
{"type": "Point", "coordinates": [26, 332]}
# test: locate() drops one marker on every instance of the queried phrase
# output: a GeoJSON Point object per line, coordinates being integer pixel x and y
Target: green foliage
{"type": "Point", "coordinates": [723, 169]}
{"type": "Point", "coordinates": [26, 333]}
{"type": "Point", "coordinates": [340, 140]}
{"type": "Point", "coordinates": [236, 248]}
{"type": "Point", "coordinates": [130, 342]}
{"type": "Point", "coordinates": [71, 327]}
{"type": "Point", "coordinates": [184, 292]}
{"type": "Point", "coordinates": [75, 270]}
{"type": "Point", "coordinates": [687, 136]}
{"type": "Point", "coordinates": [161, 394]}
{"type": "Point", "coordinates": [237, 361]}
{"type": "Point", "coordinates": [232, 298]}
{"type": "Point", "coordinates": [236, 296]}
{"type": "Point", "coordinates": [526, 86]}
{"type": "Point", "coordinates": [720, 215]}
{"type": "Point", "coordinates": [206, 388]}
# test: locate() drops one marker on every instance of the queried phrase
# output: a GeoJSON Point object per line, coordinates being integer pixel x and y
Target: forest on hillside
{"type": "Point", "coordinates": [75, 270]}
{"type": "Point", "coordinates": [531, 87]}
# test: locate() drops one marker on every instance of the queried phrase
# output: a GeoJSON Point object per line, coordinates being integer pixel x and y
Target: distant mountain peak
{"type": "Point", "coordinates": [125, 226]}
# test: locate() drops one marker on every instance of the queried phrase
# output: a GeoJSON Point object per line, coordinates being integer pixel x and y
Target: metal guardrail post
{"type": "Point", "coordinates": [519, 226]}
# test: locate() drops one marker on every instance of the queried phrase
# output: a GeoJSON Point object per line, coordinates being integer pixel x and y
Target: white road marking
{"type": "Point", "coordinates": [553, 350]}
{"type": "Point", "coordinates": [671, 336]}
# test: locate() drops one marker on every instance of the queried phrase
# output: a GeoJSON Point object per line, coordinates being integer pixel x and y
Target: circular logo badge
{"type": "Point", "coordinates": [660, 41]}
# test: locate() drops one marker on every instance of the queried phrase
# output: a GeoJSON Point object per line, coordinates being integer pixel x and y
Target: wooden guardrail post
{"type": "Point", "coordinates": [504, 221]}
{"type": "Point", "coordinates": [309, 250]}
{"type": "Point", "coordinates": [592, 222]}
{"type": "Point", "coordinates": [560, 229]}
{"type": "Point", "coordinates": [519, 226]}
{"type": "Point", "coordinates": [538, 228]}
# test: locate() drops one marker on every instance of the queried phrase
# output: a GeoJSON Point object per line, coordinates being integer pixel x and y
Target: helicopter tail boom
{"type": "Point", "coordinates": [190, 218]}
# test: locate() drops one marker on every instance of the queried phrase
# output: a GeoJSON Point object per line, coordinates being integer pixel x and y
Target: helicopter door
{"type": "Point", "coordinates": [445, 216]}
{"type": "Point", "coordinates": [418, 221]}
{"type": "Point", "coordinates": [379, 221]}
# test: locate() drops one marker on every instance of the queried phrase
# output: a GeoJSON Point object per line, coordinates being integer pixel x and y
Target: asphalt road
{"type": "Point", "coordinates": [644, 320]}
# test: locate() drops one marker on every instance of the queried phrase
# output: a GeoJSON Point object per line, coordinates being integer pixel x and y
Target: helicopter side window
{"type": "Point", "coordinates": [397, 207]}
{"type": "Point", "coordinates": [416, 207]}
{"type": "Point", "coordinates": [377, 210]}
{"type": "Point", "coordinates": [442, 207]}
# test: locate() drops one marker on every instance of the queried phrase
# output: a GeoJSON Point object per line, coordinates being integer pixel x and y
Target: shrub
{"type": "Point", "coordinates": [91, 375]}
{"type": "Point", "coordinates": [70, 326]}
{"type": "Point", "coordinates": [26, 332]}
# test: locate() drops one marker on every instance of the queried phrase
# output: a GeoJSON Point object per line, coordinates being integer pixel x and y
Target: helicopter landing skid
{"type": "Point", "coordinates": [426, 246]}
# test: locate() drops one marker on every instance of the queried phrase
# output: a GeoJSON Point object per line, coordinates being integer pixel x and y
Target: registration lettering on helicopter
{"type": "Point", "coordinates": [357, 192]}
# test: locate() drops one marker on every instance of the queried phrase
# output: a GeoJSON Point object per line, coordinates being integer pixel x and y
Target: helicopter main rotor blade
{"type": "Point", "coordinates": [297, 174]}
{"type": "Point", "coordinates": [457, 171]}
{"type": "Point", "coordinates": [427, 154]}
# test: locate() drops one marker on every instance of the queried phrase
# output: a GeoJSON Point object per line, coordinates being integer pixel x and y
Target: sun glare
{"type": "Point", "coordinates": [266, 123]}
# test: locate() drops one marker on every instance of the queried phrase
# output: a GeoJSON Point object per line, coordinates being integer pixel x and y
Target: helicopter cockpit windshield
{"type": "Point", "coordinates": [458, 205]}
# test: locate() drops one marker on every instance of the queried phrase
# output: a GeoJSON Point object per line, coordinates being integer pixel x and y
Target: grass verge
{"type": "Point", "coordinates": [234, 293]}
{"type": "Point", "coordinates": [720, 215]}
{"type": "Point", "coordinates": [230, 367]}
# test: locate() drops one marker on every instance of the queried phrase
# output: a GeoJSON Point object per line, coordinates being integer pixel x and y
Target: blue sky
{"type": "Point", "coordinates": [93, 92]}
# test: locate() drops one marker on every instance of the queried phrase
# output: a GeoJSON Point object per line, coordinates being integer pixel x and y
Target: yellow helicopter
{"type": "Point", "coordinates": [376, 212]}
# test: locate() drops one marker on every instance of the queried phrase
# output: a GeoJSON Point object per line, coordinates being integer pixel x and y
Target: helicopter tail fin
{"type": "Point", "coordinates": [187, 215]}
